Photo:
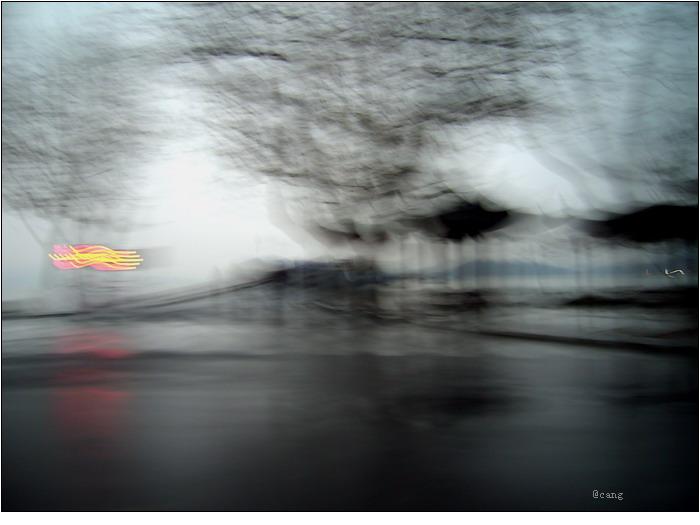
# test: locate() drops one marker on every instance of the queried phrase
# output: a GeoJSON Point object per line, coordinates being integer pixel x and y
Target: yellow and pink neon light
{"type": "Point", "coordinates": [95, 256]}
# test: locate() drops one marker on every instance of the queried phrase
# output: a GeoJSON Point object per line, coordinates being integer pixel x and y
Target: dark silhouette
{"type": "Point", "coordinates": [464, 220]}
{"type": "Point", "coordinates": [662, 223]}
{"type": "Point", "coordinates": [461, 221]}
{"type": "Point", "coordinates": [658, 223]}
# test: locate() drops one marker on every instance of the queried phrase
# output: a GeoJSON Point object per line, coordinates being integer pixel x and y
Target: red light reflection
{"type": "Point", "coordinates": [89, 403]}
{"type": "Point", "coordinates": [96, 343]}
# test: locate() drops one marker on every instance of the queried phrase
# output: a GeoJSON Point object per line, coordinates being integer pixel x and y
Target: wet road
{"type": "Point", "coordinates": [347, 416]}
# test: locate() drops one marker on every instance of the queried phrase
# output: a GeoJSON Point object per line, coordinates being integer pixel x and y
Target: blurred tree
{"type": "Point", "coordinates": [352, 103]}
{"type": "Point", "coordinates": [347, 100]}
{"type": "Point", "coordinates": [355, 102]}
{"type": "Point", "coordinates": [73, 124]}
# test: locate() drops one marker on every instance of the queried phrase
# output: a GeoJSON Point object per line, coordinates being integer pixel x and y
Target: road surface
{"type": "Point", "coordinates": [349, 414]}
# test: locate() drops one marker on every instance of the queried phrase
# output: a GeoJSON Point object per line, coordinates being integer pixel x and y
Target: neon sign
{"type": "Point", "coordinates": [95, 256]}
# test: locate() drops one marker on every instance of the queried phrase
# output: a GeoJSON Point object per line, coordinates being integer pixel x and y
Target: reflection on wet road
{"type": "Point", "coordinates": [371, 417]}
